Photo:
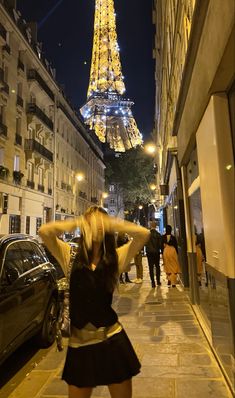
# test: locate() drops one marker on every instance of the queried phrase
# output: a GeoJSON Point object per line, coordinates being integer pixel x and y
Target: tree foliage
{"type": "Point", "coordinates": [133, 171]}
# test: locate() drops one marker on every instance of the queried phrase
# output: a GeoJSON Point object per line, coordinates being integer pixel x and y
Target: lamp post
{"type": "Point", "coordinates": [79, 177]}
{"type": "Point", "coordinates": [103, 197]}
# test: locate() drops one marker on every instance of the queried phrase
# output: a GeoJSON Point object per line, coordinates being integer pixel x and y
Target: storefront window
{"type": "Point", "coordinates": [198, 240]}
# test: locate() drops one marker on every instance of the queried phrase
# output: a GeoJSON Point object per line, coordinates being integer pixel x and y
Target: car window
{"type": "Point", "coordinates": [13, 258]}
{"type": "Point", "coordinates": [32, 256]}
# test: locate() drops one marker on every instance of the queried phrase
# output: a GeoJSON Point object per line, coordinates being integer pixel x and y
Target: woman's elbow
{"type": "Point", "coordinates": [43, 231]}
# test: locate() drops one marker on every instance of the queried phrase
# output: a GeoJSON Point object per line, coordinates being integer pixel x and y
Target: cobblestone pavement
{"type": "Point", "coordinates": [175, 356]}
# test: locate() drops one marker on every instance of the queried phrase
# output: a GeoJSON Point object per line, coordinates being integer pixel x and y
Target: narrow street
{"type": "Point", "coordinates": [176, 359]}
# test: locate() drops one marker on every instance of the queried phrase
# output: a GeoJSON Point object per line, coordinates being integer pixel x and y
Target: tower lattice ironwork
{"type": "Point", "coordinates": [106, 111]}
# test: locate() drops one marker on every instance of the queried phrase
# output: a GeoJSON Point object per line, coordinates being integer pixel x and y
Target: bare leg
{"type": "Point", "coordinates": [121, 390]}
{"type": "Point", "coordinates": [76, 392]}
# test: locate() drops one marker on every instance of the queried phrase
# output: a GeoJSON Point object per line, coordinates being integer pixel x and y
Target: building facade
{"type": "Point", "coordinates": [43, 143]}
{"type": "Point", "coordinates": [194, 133]}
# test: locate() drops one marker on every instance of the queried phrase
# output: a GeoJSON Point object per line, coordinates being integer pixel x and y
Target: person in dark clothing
{"type": "Point", "coordinates": [170, 256]}
{"type": "Point", "coordinates": [99, 351]}
{"type": "Point", "coordinates": [153, 249]}
{"type": "Point", "coordinates": [122, 239]}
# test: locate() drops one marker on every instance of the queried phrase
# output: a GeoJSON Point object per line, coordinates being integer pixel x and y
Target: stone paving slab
{"type": "Point", "coordinates": [176, 359]}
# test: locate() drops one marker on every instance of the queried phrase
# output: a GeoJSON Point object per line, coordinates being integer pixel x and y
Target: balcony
{"type": "Point", "coordinates": [30, 184]}
{"type": "Point", "coordinates": [34, 75]}
{"type": "Point", "coordinates": [41, 188]}
{"type": "Point", "coordinates": [18, 139]}
{"type": "Point", "coordinates": [3, 130]}
{"type": "Point", "coordinates": [3, 35]}
{"type": "Point", "coordinates": [31, 145]}
{"type": "Point", "coordinates": [17, 177]}
{"type": "Point", "coordinates": [19, 101]}
{"type": "Point", "coordinates": [34, 110]}
{"type": "Point", "coordinates": [4, 172]}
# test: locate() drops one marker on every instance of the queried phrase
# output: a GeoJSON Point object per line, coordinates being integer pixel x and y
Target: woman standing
{"type": "Point", "coordinates": [170, 256]}
{"type": "Point", "coordinates": [99, 351]}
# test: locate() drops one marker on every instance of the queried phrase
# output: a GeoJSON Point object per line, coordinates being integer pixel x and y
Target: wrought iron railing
{"type": "Point", "coordinates": [34, 75]}
{"type": "Point", "coordinates": [33, 145]}
{"type": "Point", "coordinates": [35, 110]}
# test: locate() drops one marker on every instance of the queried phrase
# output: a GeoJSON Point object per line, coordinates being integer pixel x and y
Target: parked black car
{"type": "Point", "coordinates": [29, 302]}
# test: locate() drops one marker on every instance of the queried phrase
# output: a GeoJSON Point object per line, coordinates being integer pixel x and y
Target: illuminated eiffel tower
{"type": "Point", "coordinates": [106, 111]}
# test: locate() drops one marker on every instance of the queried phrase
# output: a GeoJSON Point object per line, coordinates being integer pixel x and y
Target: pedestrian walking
{"type": "Point", "coordinates": [170, 256]}
{"type": "Point", "coordinates": [122, 238]}
{"type": "Point", "coordinates": [99, 351]}
{"type": "Point", "coordinates": [153, 249]}
{"type": "Point", "coordinates": [139, 267]}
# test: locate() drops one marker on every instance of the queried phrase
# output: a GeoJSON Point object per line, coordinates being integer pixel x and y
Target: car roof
{"type": "Point", "coordinates": [15, 237]}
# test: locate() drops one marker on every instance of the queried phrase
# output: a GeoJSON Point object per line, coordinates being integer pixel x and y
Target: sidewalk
{"type": "Point", "coordinates": [175, 356]}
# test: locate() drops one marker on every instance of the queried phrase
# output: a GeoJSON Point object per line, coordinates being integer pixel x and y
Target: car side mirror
{"type": "Point", "coordinates": [12, 274]}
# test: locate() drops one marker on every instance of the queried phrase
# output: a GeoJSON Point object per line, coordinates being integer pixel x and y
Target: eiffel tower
{"type": "Point", "coordinates": [106, 111]}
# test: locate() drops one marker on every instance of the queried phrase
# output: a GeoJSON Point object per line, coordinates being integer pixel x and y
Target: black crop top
{"type": "Point", "coordinates": [89, 299]}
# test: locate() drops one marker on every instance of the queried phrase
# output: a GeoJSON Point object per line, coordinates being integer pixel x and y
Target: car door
{"type": "Point", "coordinates": [11, 324]}
{"type": "Point", "coordinates": [37, 281]}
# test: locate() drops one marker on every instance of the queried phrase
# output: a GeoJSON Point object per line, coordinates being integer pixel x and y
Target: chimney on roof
{"type": "Point", "coordinates": [34, 30]}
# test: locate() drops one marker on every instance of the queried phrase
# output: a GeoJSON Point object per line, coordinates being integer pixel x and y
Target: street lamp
{"type": "Point", "coordinates": [150, 148]}
{"type": "Point", "coordinates": [105, 195]}
{"type": "Point", "coordinates": [80, 177]}
{"type": "Point", "coordinates": [152, 187]}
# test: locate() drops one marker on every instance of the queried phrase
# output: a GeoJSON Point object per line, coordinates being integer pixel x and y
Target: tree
{"type": "Point", "coordinates": [133, 171]}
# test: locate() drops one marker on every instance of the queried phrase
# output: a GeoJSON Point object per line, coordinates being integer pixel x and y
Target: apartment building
{"type": "Point", "coordinates": [44, 146]}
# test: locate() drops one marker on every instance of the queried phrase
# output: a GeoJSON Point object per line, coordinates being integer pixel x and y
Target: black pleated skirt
{"type": "Point", "coordinates": [111, 361]}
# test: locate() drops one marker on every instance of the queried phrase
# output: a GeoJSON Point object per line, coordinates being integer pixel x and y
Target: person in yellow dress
{"type": "Point", "coordinates": [170, 256]}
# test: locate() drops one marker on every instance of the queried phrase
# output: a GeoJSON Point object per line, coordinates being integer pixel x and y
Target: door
{"type": "Point", "coordinates": [36, 285]}
{"type": "Point", "coordinates": [11, 324]}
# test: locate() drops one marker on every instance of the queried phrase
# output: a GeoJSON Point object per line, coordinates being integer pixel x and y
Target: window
{"type": "Point", "coordinates": [27, 226]}
{"type": "Point", "coordinates": [49, 180]}
{"type": "Point", "coordinates": [38, 224]}
{"type": "Point", "coordinates": [14, 224]}
{"type": "Point", "coordinates": [19, 89]}
{"type": "Point", "coordinates": [112, 202]}
{"type": "Point", "coordinates": [5, 68]}
{"type": "Point", "coordinates": [32, 99]}
{"type": "Point", "coordinates": [16, 163]}
{"type": "Point", "coordinates": [2, 113]}
{"type": "Point", "coordinates": [40, 176]}
{"type": "Point", "coordinates": [32, 257]}
{"type": "Point", "coordinates": [30, 171]}
{"type": "Point", "coordinates": [13, 259]}
{"type": "Point", "coordinates": [18, 125]}
{"type": "Point", "coordinates": [1, 156]}
{"type": "Point", "coordinates": [112, 188]}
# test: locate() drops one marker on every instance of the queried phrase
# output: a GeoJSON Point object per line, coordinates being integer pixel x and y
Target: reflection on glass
{"type": "Point", "coordinates": [200, 249]}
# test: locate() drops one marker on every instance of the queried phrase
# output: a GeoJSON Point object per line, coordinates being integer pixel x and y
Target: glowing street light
{"type": "Point", "coordinates": [150, 148]}
{"type": "Point", "coordinates": [152, 187]}
{"type": "Point", "coordinates": [80, 177]}
{"type": "Point", "coordinates": [140, 207]}
{"type": "Point", "coordinates": [105, 195]}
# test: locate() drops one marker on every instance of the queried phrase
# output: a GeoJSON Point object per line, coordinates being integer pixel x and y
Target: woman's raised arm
{"type": "Point", "coordinates": [60, 250]}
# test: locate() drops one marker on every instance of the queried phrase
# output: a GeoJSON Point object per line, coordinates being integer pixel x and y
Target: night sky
{"type": "Point", "coordinates": [67, 33]}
